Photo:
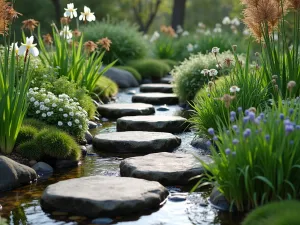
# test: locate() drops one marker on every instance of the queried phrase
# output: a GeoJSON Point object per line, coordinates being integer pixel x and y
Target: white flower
{"type": "Point", "coordinates": [235, 21]}
{"type": "Point", "coordinates": [60, 109]}
{"type": "Point", "coordinates": [246, 32]}
{"type": "Point", "coordinates": [35, 88]}
{"type": "Point", "coordinates": [16, 47]}
{"type": "Point", "coordinates": [213, 72]}
{"type": "Point", "coordinates": [196, 46]}
{"type": "Point", "coordinates": [37, 111]}
{"type": "Point", "coordinates": [28, 48]}
{"type": "Point", "coordinates": [36, 103]}
{"type": "Point", "coordinates": [185, 33]}
{"type": "Point", "coordinates": [87, 15]}
{"type": "Point", "coordinates": [80, 126]}
{"type": "Point", "coordinates": [226, 20]}
{"type": "Point", "coordinates": [69, 123]}
{"type": "Point", "coordinates": [234, 89]}
{"type": "Point", "coordinates": [215, 50]}
{"type": "Point", "coordinates": [44, 115]}
{"type": "Point", "coordinates": [54, 105]}
{"type": "Point", "coordinates": [49, 113]}
{"type": "Point", "coordinates": [217, 30]}
{"type": "Point", "coordinates": [59, 123]}
{"type": "Point", "coordinates": [190, 47]}
{"type": "Point", "coordinates": [71, 113]}
{"type": "Point", "coordinates": [218, 25]}
{"type": "Point", "coordinates": [179, 29]}
{"type": "Point", "coordinates": [205, 72]}
{"type": "Point", "coordinates": [155, 36]}
{"type": "Point", "coordinates": [77, 121]}
{"type": "Point", "coordinates": [65, 115]}
{"type": "Point", "coordinates": [66, 33]}
{"type": "Point", "coordinates": [70, 11]}
{"type": "Point", "coordinates": [47, 100]}
{"type": "Point", "coordinates": [32, 99]}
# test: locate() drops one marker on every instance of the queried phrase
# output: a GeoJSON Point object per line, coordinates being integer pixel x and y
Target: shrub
{"type": "Point", "coordinates": [150, 68]}
{"type": "Point", "coordinates": [105, 88]}
{"type": "Point", "coordinates": [30, 150]}
{"type": "Point", "coordinates": [258, 157]}
{"type": "Point", "coordinates": [188, 78]}
{"type": "Point", "coordinates": [133, 71]}
{"type": "Point", "coordinates": [27, 133]}
{"type": "Point", "coordinates": [61, 111]}
{"type": "Point", "coordinates": [38, 124]}
{"type": "Point", "coordinates": [277, 213]}
{"type": "Point", "coordinates": [170, 62]}
{"type": "Point", "coordinates": [127, 43]}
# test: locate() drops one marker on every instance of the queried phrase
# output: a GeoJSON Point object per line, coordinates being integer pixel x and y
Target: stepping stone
{"type": "Point", "coordinates": [166, 168]}
{"type": "Point", "coordinates": [136, 142]}
{"type": "Point", "coordinates": [98, 196]}
{"type": "Point", "coordinates": [156, 98]}
{"type": "Point", "coordinates": [163, 88]}
{"type": "Point", "coordinates": [166, 80]}
{"type": "Point", "coordinates": [118, 110]}
{"type": "Point", "coordinates": [171, 124]}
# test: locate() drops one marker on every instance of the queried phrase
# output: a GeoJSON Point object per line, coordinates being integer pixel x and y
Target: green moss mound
{"type": "Point", "coordinates": [30, 150]}
{"type": "Point", "coordinates": [151, 68]}
{"type": "Point", "coordinates": [170, 62]}
{"type": "Point", "coordinates": [133, 71]}
{"type": "Point", "coordinates": [27, 133]}
{"type": "Point", "coordinates": [105, 89]}
{"type": "Point", "coordinates": [57, 144]}
{"type": "Point", "coordinates": [278, 213]}
{"type": "Point", "coordinates": [39, 125]}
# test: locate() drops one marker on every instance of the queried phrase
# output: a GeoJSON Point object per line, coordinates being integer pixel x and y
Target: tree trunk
{"type": "Point", "coordinates": [178, 13]}
{"type": "Point", "coordinates": [57, 7]}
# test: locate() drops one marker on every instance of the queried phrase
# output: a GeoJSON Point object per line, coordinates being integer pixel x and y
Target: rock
{"type": "Point", "coordinates": [118, 110]}
{"type": "Point", "coordinates": [98, 196]}
{"type": "Point", "coordinates": [166, 168]}
{"type": "Point", "coordinates": [136, 142]}
{"type": "Point", "coordinates": [123, 78]}
{"type": "Point", "coordinates": [177, 197]}
{"type": "Point", "coordinates": [218, 201]}
{"type": "Point", "coordinates": [83, 150]}
{"type": "Point", "coordinates": [146, 81]}
{"type": "Point", "coordinates": [102, 221]}
{"type": "Point", "coordinates": [32, 162]}
{"type": "Point", "coordinates": [92, 125]}
{"type": "Point", "coordinates": [171, 124]}
{"type": "Point", "coordinates": [14, 174]}
{"type": "Point", "coordinates": [200, 143]}
{"type": "Point", "coordinates": [131, 92]}
{"type": "Point", "coordinates": [167, 80]}
{"type": "Point", "coordinates": [163, 88]}
{"type": "Point", "coordinates": [163, 108]}
{"type": "Point", "coordinates": [104, 119]}
{"type": "Point", "coordinates": [156, 98]}
{"type": "Point", "coordinates": [88, 137]}
{"type": "Point", "coordinates": [42, 168]}
{"type": "Point", "coordinates": [65, 163]}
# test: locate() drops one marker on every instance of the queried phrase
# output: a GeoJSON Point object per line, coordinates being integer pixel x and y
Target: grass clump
{"type": "Point", "coordinates": [105, 89]}
{"type": "Point", "coordinates": [30, 150]}
{"type": "Point", "coordinates": [170, 62]}
{"type": "Point", "coordinates": [133, 71]}
{"type": "Point", "coordinates": [150, 68]}
{"type": "Point", "coordinates": [27, 133]}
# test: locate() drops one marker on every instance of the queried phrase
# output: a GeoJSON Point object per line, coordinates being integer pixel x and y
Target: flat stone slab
{"type": "Point", "coordinates": [171, 124]}
{"type": "Point", "coordinates": [140, 142]}
{"type": "Point", "coordinates": [118, 110]}
{"type": "Point", "coordinates": [163, 88]}
{"type": "Point", "coordinates": [97, 196]}
{"type": "Point", "coordinates": [166, 168]}
{"type": "Point", "coordinates": [156, 98]}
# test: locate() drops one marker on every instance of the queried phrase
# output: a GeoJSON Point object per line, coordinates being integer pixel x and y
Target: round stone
{"type": "Point", "coordinates": [166, 168]}
{"type": "Point", "coordinates": [171, 124]}
{"type": "Point", "coordinates": [98, 196]}
{"type": "Point", "coordinates": [163, 88]}
{"type": "Point", "coordinates": [156, 98]}
{"type": "Point", "coordinates": [118, 110]}
{"type": "Point", "coordinates": [136, 142]}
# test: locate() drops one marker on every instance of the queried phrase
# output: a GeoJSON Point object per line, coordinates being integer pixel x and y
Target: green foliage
{"type": "Point", "coordinates": [38, 124]}
{"type": "Point", "coordinates": [27, 133]}
{"type": "Point", "coordinates": [170, 62]}
{"type": "Point", "coordinates": [150, 68]}
{"type": "Point", "coordinates": [105, 88]}
{"type": "Point", "coordinates": [277, 213]}
{"type": "Point", "coordinates": [3, 221]}
{"type": "Point", "coordinates": [164, 46]}
{"type": "Point", "coordinates": [30, 150]}
{"type": "Point", "coordinates": [133, 71]}
{"type": "Point", "coordinates": [127, 43]}
{"type": "Point", "coordinates": [256, 160]}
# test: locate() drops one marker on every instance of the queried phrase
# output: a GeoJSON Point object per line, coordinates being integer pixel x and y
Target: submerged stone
{"type": "Point", "coordinates": [163, 88]}
{"type": "Point", "coordinates": [156, 98]}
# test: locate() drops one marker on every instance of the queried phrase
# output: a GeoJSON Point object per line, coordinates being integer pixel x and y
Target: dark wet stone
{"type": "Point", "coordinates": [166, 168]}
{"type": "Point", "coordinates": [131, 92]}
{"type": "Point", "coordinates": [123, 78]}
{"type": "Point", "coordinates": [42, 168]}
{"type": "Point", "coordinates": [218, 201]}
{"type": "Point", "coordinates": [98, 196]}
{"type": "Point", "coordinates": [171, 124]}
{"type": "Point", "coordinates": [162, 88]}
{"type": "Point", "coordinates": [200, 143]}
{"type": "Point", "coordinates": [118, 110]}
{"type": "Point", "coordinates": [102, 221]}
{"type": "Point", "coordinates": [92, 125]}
{"type": "Point", "coordinates": [177, 197]}
{"type": "Point", "coordinates": [104, 119]}
{"type": "Point", "coordinates": [163, 108]}
{"type": "Point", "coordinates": [146, 81]}
{"type": "Point", "coordinates": [136, 142]}
{"type": "Point", "coordinates": [156, 98]}
{"type": "Point", "coordinates": [83, 150]}
{"type": "Point", "coordinates": [14, 174]}
{"type": "Point", "coordinates": [64, 163]}
{"type": "Point", "coordinates": [88, 137]}
{"type": "Point", "coordinates": [32, 162]}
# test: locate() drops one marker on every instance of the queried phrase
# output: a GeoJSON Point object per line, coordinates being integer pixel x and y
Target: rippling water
{"type": "Point", "coordinates": [22, 206]}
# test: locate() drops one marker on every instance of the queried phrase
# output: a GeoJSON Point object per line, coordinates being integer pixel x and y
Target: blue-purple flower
{"type": "Point", "coordinates": [211, 131]}
{"type": "Point", "coordinates": [235, 141]}
{"type": "Point", "coordinates": [227, 151]}
{"type": "Point", "coordinates": [267, 137]}
{"type": "Point", "coordinates": [247, 133]}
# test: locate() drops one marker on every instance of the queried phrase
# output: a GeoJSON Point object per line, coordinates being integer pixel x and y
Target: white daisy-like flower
{"type": "Point", "coordinates": [44, 115]}
{"type": "Point", "coordinates": [234, 89]}
{"type": "Point", "coordinates": [215, 50]}
{"type": "Point", "coordinates": [226, 20]}
{"type": "Point", "coordinates": [69, 123]}
{"type": "Point", "coordinates": [185, 33]}
{"type": "Point", "coordinates": [205, 72]}
{"type": "Point", "coordinates": [36, 103]}
{"type": "Point", "coordinates": [213, 72]}
{"type": "Point", "coordinates": [59, 123]}
{"type": "Point", "coordinates": [54, 105]}
{"type": "Point", "coordinates": [80, 126]}
{"type": "Point", "coordinates": [47, 100]}
{"type": "Point", "coordinates": [49, 113]}
{"type": "Point", "coordinates": [190, 47]}
{"type": "Point", "coordinates": [65, 115]}
{"type": "Point", "coordinates": [60, 109]}
{"type": "Point", "coordinates": [70, 11]}
{"type": "Point", "coordinates": [87, 15]}
{"type": "Point", "coordinates": [71, 113]}
{"type": "Point", "coordinates": [37, 111]}
{"type": "Point", "coordinates": [235, 22]}
{"type": "Point", "coordinates": [35, 88]}
{"type": "Point", "coordinates": [77, 121]}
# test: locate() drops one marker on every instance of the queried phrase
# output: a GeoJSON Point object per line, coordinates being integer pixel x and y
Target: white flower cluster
{"type": "Point", "coordinates": [61, 110]}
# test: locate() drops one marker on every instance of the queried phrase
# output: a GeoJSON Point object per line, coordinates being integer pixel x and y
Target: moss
{"type": "Point", "coordinates": [57, 144]}
{"type": "Point", "coordinates": [277, 213]}
{"type": "Point", "coordinates": [133, 71]}
{"type": "Point", "coordinates": [150, 68]}
{"type": "Point", "coordinates": [30, 150]}
{"type": "Point", "coordinates": [27, 133]}
{"type": "Point", "coordinates": [170, 62]}
{"type": "Point", "coordinates": [105, 88]}
{"type": "Point", "coordinates": [39, 125]}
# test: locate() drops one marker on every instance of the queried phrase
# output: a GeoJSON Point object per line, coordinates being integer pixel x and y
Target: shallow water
{"type": "Point", "coordinates": [21, 206]}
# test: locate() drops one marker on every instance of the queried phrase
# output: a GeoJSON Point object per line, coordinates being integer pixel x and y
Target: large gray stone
{"type": "Point", "coordinates": [13, 174]}
{"type": "Point", "coordinates": [171, 124]}
{"type": "Point", "coordinates": [156, 98]}
{"type": "Point", "coordinates": [42, 168]}
{"type": "Point", "coordinates": [136, 142]}
{"type": "Point", "coordinates": [103, 196]}
{"type": "Point", "coordinates": [163, 88]}
{"type": "Point", "coordinates": [166, 168]}
{"type": "Point", "coordinates": [123, 78]}
{"type": "Point", "coordinates": [118, 110]}
{"type": "Point", "coordinates": [218, 201]}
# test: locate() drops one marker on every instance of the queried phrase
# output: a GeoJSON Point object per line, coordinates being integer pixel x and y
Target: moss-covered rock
{"type": "Point", "coordinates": [27, 133]}
{"type": "Point", "coordinates": [105, 89]}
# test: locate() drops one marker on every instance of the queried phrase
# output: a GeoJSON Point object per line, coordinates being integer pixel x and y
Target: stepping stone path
{"type": "Point", "coordinates": [166, 168]}
{"type": "Point", "coordinates": [136, 142]}
{"type": "Point", "coordinates": [118, 110]}
{"type": "Point", "coordinates": [163, 88]}
{"type": "Point", "coordinates": [167, 80]}
{"type": "Point", "coordinates": [171, 124]}
{"type": "Point", "coordinates": [156, 98]}
{"type": "Point", "coordinates": [97, 196]}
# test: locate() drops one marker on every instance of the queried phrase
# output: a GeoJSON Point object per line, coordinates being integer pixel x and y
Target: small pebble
{"type": "Point", "coordinates": [104, 119]}
{"type": "Point", "coordinates": [102, 221]}
{"type": "Point", "coordinates": [131, 92]}
{"type": "Point", "coordinates": [163, 108]}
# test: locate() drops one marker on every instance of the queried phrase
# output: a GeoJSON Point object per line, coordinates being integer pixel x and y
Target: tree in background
{"type": "Point", "coordinates": [178, 13]}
